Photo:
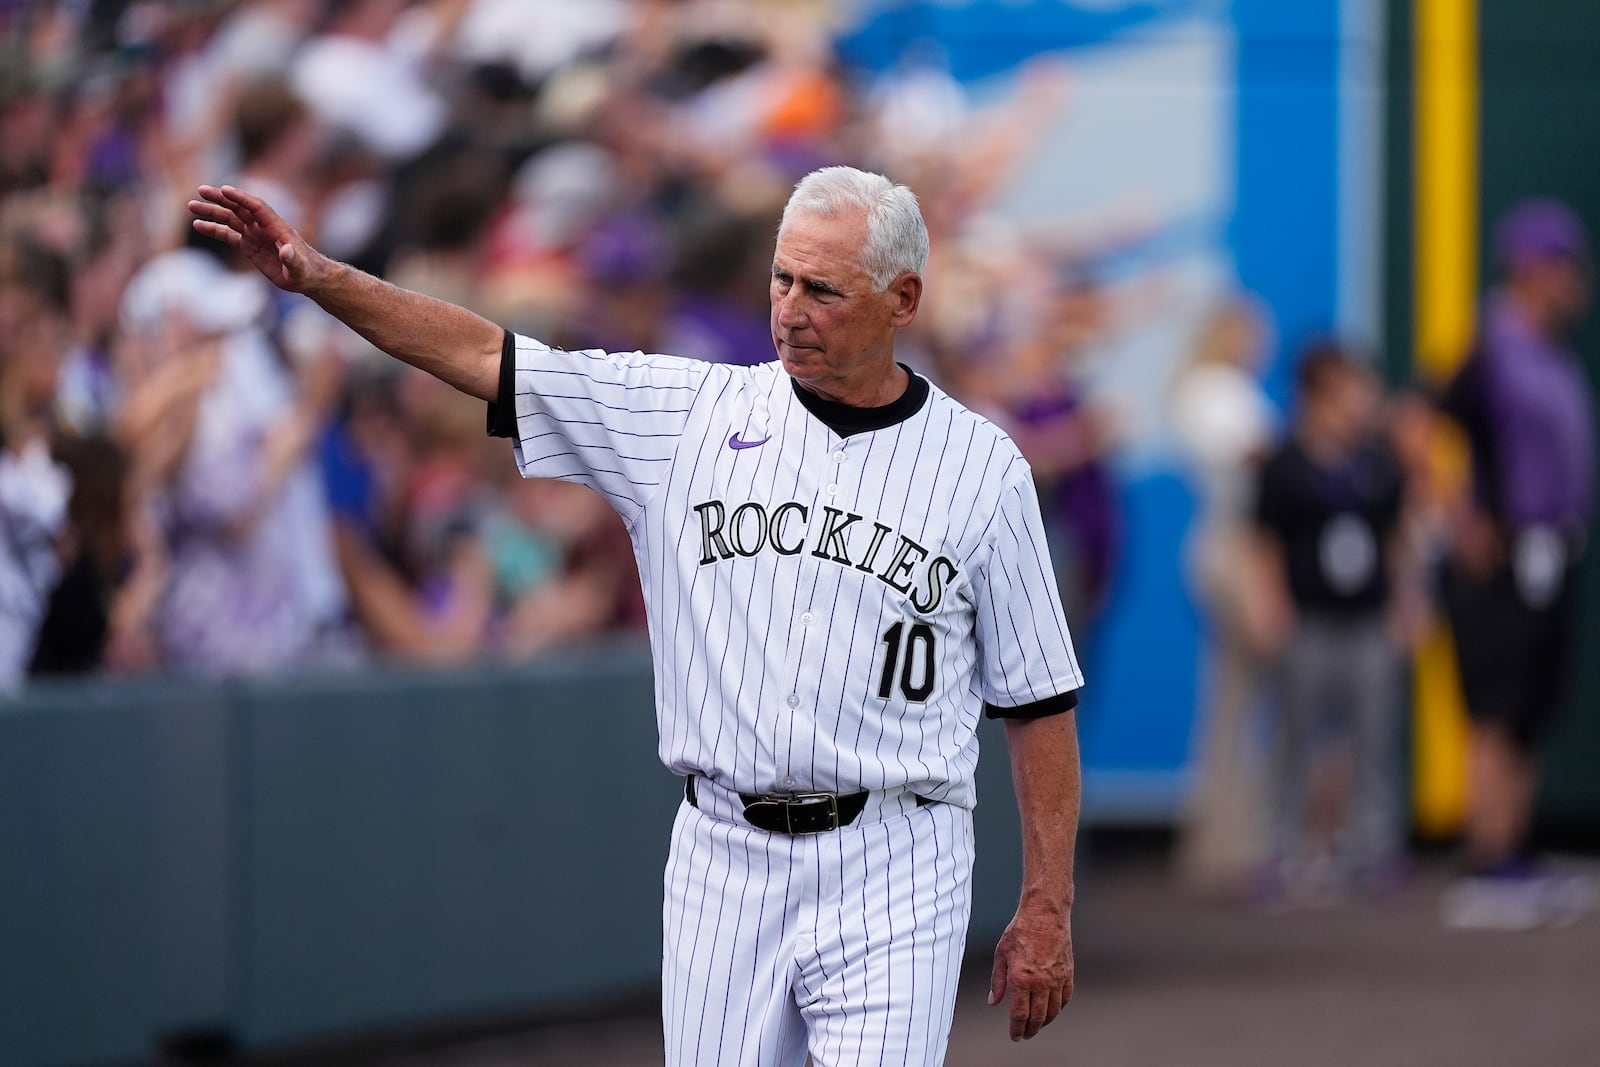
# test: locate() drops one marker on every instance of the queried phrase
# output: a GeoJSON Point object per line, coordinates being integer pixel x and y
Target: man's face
{"type": "Point", "coordinates": [827, 322]}
{"type": "Point", "coordinates": [1557, 288]}
{"type": "Point", "coordinates": [1349, 402]}
{"type": "Point", "coordinates": [1570, 287]}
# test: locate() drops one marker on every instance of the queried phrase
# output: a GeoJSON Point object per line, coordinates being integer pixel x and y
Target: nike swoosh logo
{"type": "Point", "coordinates": [734, 441]}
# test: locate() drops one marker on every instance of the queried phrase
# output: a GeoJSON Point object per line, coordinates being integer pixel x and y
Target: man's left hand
{"type": "Point", "coordinates": [1033, 964]}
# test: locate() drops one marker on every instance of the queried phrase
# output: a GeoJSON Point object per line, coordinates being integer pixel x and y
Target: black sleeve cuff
{"type": "Point", "coordinates": [1039, 709]}
{"type": "Point", "coordinates": [503, 409]}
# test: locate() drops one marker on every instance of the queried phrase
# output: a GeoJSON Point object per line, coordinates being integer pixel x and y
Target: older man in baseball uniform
{"type": "Point", "coordinates": [844, 570]}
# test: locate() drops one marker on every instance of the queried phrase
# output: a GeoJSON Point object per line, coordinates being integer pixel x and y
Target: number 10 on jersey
{"type": "Point", "coordinates": [916, 677]}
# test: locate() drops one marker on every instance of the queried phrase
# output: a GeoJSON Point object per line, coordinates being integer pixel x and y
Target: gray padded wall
{"type": "Point", "coordinates": [332, 857]}
{"type": "Point", "coordinates": [115, 898]}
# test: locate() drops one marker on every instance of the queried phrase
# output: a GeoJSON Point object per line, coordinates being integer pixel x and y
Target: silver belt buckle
{"type": "Point", "coordinates": [832, 800]}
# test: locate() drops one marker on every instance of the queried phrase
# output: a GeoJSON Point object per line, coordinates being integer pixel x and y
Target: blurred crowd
{"type": "Point", "coordinates": [200, 474]}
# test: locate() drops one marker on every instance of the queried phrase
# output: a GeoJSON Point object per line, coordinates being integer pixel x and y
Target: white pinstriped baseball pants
{"type": "Point", "coordinates": [847, 944]}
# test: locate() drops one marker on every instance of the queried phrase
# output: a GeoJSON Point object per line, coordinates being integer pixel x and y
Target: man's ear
{"type": "Point", "coordinates": [906, 292]}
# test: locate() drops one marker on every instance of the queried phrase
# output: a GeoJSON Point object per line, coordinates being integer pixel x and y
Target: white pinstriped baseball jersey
{"type": "Point", "coordinates": [826, 612]}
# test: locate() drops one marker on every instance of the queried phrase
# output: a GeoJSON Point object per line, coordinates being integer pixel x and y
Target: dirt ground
{"type": "Point", "coordinates": [1164, 980]}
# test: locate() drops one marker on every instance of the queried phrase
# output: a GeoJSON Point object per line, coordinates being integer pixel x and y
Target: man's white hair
{"type": "Point", "coordinates": [897, 238]}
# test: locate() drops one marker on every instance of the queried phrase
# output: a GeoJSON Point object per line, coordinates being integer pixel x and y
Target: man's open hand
{"type": "Point", "coordinates": [1033, 963]}
{"type": "Point", "coordinates": [246, 222]}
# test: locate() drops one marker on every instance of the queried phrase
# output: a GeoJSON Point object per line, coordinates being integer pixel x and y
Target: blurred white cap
{"type": "Point", "coordinates": [193, 284]}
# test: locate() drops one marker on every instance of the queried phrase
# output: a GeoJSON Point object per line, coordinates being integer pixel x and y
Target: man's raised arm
{"type": "Point", "coordinates": [449, 342]}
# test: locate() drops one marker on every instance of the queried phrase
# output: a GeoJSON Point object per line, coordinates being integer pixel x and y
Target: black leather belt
{"type": "Point", "coordinates": [798, 813]}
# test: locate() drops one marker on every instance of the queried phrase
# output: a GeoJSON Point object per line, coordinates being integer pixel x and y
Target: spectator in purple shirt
{"type": "Point", "coordinates": [1523, 401]}
{"type": "Point", "coordinates": [721, 317]}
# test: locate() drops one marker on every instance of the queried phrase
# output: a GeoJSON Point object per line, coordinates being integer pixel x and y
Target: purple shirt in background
{"type": "Point", "coordinates": [232, 604]}
{"type": "Point", "coordinates": [1537, 399]}
{"type": "Point", "coordinates": [1078, 505]}
{"type": "Point", "coordinates": [712, 330]}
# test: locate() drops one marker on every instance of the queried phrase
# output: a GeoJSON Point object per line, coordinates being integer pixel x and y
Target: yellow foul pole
{"type": "Point", "coordinates": [1446, 282]}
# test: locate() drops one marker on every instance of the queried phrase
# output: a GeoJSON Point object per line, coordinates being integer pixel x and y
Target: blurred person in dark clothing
{"type": "Point", "coordinates": [112, 570]}
{"type": "Point", "coordinates": [448, 211]}
{"type": "Point", "coordinates": [28, 118]}
{"type": "Point", "coordinates": [1327, 513]}
{"type": "Point", "coordinates": [1525, 406]}
{"type": "Point", "coordinates": [34, 489]}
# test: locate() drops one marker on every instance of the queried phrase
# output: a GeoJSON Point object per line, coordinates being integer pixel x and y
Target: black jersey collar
{"type": "Point", "coordinates": [845, 420]}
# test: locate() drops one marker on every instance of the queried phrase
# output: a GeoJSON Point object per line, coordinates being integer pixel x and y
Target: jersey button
{"type": "Point", "coordinates": [838, 457]}
{"type": "Point", "coordinates": [793, 701]}
{"type": "Point", "coordinates": [833, 490]}
{"type": "Point", "coordinates": [807, 619]}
